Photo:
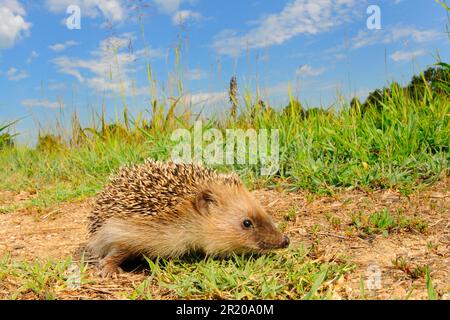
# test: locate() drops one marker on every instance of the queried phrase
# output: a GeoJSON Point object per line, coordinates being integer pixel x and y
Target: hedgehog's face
{"type": "Point", "coordinates": [235, 222]}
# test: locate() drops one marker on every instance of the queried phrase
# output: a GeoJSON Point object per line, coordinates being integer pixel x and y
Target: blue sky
{"type": "Point", "coordinates": [321, 48]}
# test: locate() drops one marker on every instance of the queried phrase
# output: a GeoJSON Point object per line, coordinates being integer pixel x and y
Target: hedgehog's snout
{"type": "Point", "coordinates": [280, 243]}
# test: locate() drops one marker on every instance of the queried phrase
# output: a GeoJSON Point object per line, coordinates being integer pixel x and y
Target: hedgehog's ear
{"type": "Point", "coordinates": [203, 200]}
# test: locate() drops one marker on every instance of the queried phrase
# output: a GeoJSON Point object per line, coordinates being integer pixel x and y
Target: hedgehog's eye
{"type": "Point", "coordinates": [247, 224]}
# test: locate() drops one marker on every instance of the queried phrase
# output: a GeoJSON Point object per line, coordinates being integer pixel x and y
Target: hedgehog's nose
{"type": "Point", "coordinates": [285, 242]}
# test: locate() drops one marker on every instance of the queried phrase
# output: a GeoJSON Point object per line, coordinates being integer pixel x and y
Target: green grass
{"type": "Point", "coordinates": [291, 275]}
{"type": "Point", "coordinates": [39, 279]}
{"type": "Point", "coordinates": [7, 209]}
{"type": "Point", "coordinates": [432, 294]}
{"type": "Point", "coordinates": [384, 222]}
{"type": "Point", "coordinates": [417, 272]}
{"type": "Point", "coordinates": [403, 146]}
{"type": "Point", "coordinates": [413, 272]}
{"type": "Point", "coordinates": [6, 139]}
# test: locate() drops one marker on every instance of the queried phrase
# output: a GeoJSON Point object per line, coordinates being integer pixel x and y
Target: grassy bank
{"type": "Point", "coordinates": [290, 276]}
{"type": "Point", "coordinates": [401, 142]}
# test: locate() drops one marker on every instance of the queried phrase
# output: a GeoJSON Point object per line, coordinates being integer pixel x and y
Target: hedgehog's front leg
{"type": "Point", "coordinates": [110, 264]}
{"type": "Point", "coordinates": [109, 243]}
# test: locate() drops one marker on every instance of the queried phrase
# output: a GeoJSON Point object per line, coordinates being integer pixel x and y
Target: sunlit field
{"type": "Point", "coordinates": [360, 184]}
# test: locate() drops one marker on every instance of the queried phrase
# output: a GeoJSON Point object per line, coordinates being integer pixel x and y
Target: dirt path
{"type": "Point", "coordinates": [322, 222]}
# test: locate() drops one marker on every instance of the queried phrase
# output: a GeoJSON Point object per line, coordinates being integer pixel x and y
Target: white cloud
{"type": "Point", "coordinates": [307, 70]}
{"type": "Point", "coordinates": [30, 103]}
{"type": "Point", "coordinates": [182, 16]}
{"type": "Point", "coordinates": [168, 6]}
{"type": "Point", "coordinates": [65, 66]}
{"type": "Point", "coordinates": [205, 98]}
{"type": "Point", "coordinates": [281, 88]}
{"type": "Point", "coordinates": [196, 74]}
{"type": "Point", "coordinates": [13, 25]}
{"type": "Point", "coordinates": [109, 67]}
{"type": "Point", "coordinates": [207, 104]}
{"type": "Point", "coordinates": [393, 34]}
{"type": "Point", "coordinates": [364, 38]}
{"type": "Point", "coordinates": [297, 17]}
{"type": "Point", "coordinates": [113, 10]}
{"type": "Point", "coordinates": [33, 55]}
{"type": "Point", "coordinates": [418, 36]}
{"type": "Point", "coordinates": [58, 47]}
{"type": "Point", "coordinates": [407, 55]}
{"type": "Point", "coordinates": [15, 74]}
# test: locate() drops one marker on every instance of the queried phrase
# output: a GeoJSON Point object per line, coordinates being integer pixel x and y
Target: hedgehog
{"type": "Point", "coordinates": [168, 209]}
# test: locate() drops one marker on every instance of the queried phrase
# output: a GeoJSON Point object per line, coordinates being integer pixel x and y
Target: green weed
{"type": "Point", "coordinates": [384, 222]}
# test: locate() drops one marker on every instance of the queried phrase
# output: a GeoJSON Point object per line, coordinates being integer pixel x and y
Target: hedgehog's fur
{"type": "Point", "coordinates": [167, 209]}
